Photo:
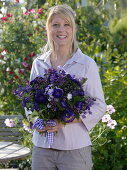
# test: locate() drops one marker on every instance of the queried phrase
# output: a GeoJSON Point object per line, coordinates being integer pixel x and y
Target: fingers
{"type": "Point", "coordinates": [42, 130]}
{"type": "Point", "coordinates": [54, 128]}
{"type": "Point", "coordinates": [51, 128]}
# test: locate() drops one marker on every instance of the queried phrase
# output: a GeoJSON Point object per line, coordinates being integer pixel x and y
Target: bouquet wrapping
{"type": "Point", "coordinates": [55, 96]}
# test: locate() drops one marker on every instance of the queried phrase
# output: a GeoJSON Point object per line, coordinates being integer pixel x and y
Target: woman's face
{"type": "Point", "coordinates": [61, 32]}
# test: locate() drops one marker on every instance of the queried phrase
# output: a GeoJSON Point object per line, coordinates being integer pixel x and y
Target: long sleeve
{"type": "Point", "coordinates": [93, 88]}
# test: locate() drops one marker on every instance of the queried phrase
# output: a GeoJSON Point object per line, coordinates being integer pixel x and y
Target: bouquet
{"type": "Point", "coordinates": [56, 95]}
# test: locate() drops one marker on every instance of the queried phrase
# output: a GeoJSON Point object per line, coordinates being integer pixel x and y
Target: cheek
{"type": "Point", "coordinates": [71, 34]}
{"type": "Point", "coordinates": [52, 34]}
{"type": "Point", "coordinates": [70, 31]}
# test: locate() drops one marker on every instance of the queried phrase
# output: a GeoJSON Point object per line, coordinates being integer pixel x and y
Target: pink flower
{"type": "Point", "coordinates": [40, 11]}
{"type": "Point", "coordinates": [110, 109]}
{"type": "Point", "coordinates": [4, 18]}
{"type": "Point", "coordinates": [112, 123]}
{"type": "Point", "coordinates": [106, 118]}
{"type": "Point", "coordinates": [26, 13]}
{"type": "Point", "coordinates": [21, 71]}
{"type": "Point", "coordinates": [9, 123]}
{"type": "Point", "coordinates": [31, 54]}
{"type": "Point", "coordinates": [11, 72]}
{"type": "Point", "coordinates": [29, 67]}
{"type": "Point", "coordinates": [25, 59]}
{"type": "Point", "coordinates": [17, 1]}
{"type": "Point", "coordinates": [17, 77]}
{"type": "Point", "coordinates": [25, 64]}
{"type": "Point", "coordinates": [3, 52]}
{"type": "Point", "coordinates": [32, 11]}
{"type": "Point", "coordinates": [8, 15]}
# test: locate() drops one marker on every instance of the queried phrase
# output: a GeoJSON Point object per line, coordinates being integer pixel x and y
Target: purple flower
{"type": "Point", "coordinates": [78, 92]}
{"type": "Point", "coordinates": [63, 104]}
{"type": "Point", "coordinates": [25, 101]}
{"type": "Point", "coordinates": [57, 93]}
{"type": "Point", "coordinates": [68, 116]}
{"type": "Point", "coordinates": [74, 80]}
{"type": "Point", "coordinates": [79, 105]}
{"type": "Point", "coordinates": [37, 82]}
{"type": "Point", "coordinates": [36, 107]}
{"type": "Point", "coordinates": [40, 97]}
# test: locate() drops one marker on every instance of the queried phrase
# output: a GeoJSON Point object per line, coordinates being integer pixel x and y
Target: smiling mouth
{"type": "Point", "coordinates": [61, 37]}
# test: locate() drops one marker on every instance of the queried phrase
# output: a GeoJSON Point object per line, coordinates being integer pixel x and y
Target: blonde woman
{"type": "Point", "coordinates": [71, 149]}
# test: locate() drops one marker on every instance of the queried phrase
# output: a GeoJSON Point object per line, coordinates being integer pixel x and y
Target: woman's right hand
{"type": "Point", "coordinates": [42, 130]}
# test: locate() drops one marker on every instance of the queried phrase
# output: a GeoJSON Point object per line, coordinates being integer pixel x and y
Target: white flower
{"type": "Point", "coordinates": [5, 58]}
{"type": "Point", "coordinates": [24, 9]}
{"type": "Point", "coordinates": [1, 30]}
{"type": "Point", "coordinates": [21, 1]}
{"type": "Point", "coordinates": [69, 96]}
{"type": "Point", "coordinates": [48, 105]}
{"type": "Point", "coordinates": [9, 122]}
{"type": "Point", "coordinates": [3, 10]}
{"type": "Point", "coordinates": [59, 67]}
{"type": "Point", "coordinates": [112, 123]}
{"type": "Point", "coordinates": [2, 62]}
{"type": "Point", "coordinates": [106, 118]}
{"type": "Point", "coordinates": [26, 128]}
{"type": "Point", "coordinates": [1, 15]}
{"type": "Point", "coordinates": [27, 112]}
{"type": "Point", "coordinates": [110, 109]}
{"type": "Point", "coordinates": [35, 23]}
{"type": "Point", "coordinates": [50, 91]}
{"type": "Point", "coordinates": [3, 52]}
{"type": "Point", "coordinates": [7, 69]}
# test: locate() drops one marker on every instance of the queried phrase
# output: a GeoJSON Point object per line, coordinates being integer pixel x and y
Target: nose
{"type": "Point", "coordinates": [61, 28]}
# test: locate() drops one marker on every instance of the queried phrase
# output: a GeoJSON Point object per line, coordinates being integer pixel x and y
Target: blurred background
{"type": "Point", "coordinates": [102, 35]}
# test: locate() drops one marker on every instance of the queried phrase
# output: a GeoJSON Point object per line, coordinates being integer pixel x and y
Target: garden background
{"type": "Point", "coordinates": [102, 35]}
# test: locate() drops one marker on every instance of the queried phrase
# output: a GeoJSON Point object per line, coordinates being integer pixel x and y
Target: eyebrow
{"type": "Point", "coordinates": [59, 22]}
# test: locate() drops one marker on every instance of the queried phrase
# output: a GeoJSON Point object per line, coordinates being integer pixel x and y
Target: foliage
{"type": "Point", "coordinates": [22, 37]}
{"type": "Point", "coordinates": [102, 35]}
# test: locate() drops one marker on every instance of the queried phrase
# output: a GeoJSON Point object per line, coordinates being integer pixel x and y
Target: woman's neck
{"type": "Point", "coordinates": [61, 53]}
{"type": "Point", "coordinates": [60, 57]}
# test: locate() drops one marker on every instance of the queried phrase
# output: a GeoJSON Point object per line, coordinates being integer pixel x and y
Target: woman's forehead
{"type": "Point", "coordinates": [60, 17]}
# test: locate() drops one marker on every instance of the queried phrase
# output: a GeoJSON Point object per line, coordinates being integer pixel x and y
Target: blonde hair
{"type": "Point", "coordinates": [68, 14]}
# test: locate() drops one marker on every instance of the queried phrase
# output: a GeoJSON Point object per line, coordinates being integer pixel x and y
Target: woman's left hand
{"type": "Point", "coordinates": [59, 125]}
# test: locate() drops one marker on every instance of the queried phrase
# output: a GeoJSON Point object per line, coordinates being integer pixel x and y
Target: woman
{"type": "Point", "coordinates": [71, 149]}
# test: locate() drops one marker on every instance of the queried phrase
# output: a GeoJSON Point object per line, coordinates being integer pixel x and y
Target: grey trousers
{"type": "Point", "coordinates": [52, 159]}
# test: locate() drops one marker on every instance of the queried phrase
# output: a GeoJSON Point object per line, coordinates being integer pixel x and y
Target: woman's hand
{"type": "Point", "coordinates": [58, 126]}
{"type": "Point", "coordinates": [55, 128]}
{"type": "Point", "coordinates": [42, 130]}
{"type": "Point", "coordinates": [51, 128]}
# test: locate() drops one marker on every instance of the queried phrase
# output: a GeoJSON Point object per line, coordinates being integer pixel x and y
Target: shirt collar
{"type": "Point", "coordinates": [77, 57]}
{"type": "Point", "coordinates": [45, 57]}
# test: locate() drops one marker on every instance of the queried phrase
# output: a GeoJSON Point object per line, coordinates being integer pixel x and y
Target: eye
{"type": "Point", "coordinates": [55, 25]}
{"type": "Point", "coordinates": [67, 25]}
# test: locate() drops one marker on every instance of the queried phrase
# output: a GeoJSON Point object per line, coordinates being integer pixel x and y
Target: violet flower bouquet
{"type": "Point", "coordinates": [56, 95]}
